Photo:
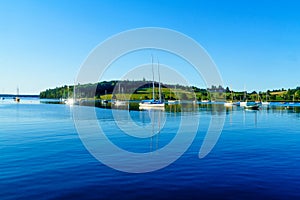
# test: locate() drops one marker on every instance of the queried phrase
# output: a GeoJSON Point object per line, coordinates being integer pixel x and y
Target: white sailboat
{"type": "Point", "coordinates": [176, 101]}
{"type": "Point", "coordinates": [265, 103]}
{"type": "Point", "coordinates": [229, 103]}
{"type": "Point", "coordinates": [293, 102]}
{"type": "Point", "coordinates": [153, 103]}
{"type": "Point", "coordinates": [17, 98]}
{"type": "Point", "coordinates": [244, 102]}
{"type": "Point", "coordinates": [118, 102]}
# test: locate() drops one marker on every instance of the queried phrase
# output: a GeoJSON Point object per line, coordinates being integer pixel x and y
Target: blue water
{"type": "Point", "coordinates": [42, 157]}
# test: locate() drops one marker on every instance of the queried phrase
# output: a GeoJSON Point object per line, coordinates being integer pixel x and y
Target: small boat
{"type": "Point", "coordinates": [172, 102]}
{"type": "Point", "coordinates": [120, 103]}
{"type": "Point", "coordinates": [265, 103]}
{"type": "Point", "coordinates": [104, 101]}
{"type": "Point", "coordinates": [205, 101]}
{"type": "Point", "coordinates": [228, 104]}
{"type": "Point", "coordinates": [252, 106]}
{"type": "Point", "coordinates": [293, 102]}
{"type": "Point", "coordinates": [17, 98]}
{"type": "Point", "coordinates": [258, 101]}
{"type": "Point", "coordinates": [236, 103]}
{"type": "Point", "coordinates": [153, 103]}
{"type": "Point", "coordinates": [243, 103]}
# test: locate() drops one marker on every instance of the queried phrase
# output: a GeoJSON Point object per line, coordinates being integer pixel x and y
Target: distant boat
{"type": "Point", "coordinates": [153, 103]}
{"type": "Point", "coordinates": [205, 101]}
{"type": "Point", "coordinates": [265, 103]}
{"type": "Point", "coordinates": [118, 102]}
{"type": "Point", "coordinates": [258, 101]}
{"type": "Point", "coordinates": [252, 106]}
{"type": "Point", "coordinates": [17, 98]}
{"type": "Point", "coordinates": [170, 102]}
{"type": "Point", "coordinates": [229, 103]}
{"type": "Point", "coordinates": [244, 102]}
{"type": "Point", "coordinates": [104, 101]}
{"type": "Point", "coordinates": [293, 100]}
{"type": "Point", "coordinates": [173, 101]}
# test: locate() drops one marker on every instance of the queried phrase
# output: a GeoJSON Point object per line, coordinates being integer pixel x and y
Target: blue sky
{"type": "Point", "coordinates": [255, 44]}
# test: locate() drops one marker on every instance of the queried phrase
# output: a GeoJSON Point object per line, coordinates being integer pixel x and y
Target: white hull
{"type": "Point", "coordinates": [205, 101]}
{"type": "Point", "coordinates": [243, 104]}
{"type": "Point", "coordinates": [228, 104]}
{"type": "Point", "coordinates": [173, 102]}
{"type": "Point", "coordinates": [265, 103]}
{"type": "Point", "coordinates": [120, 103]}
{"type": "Point", "coordinates": [149, 106]}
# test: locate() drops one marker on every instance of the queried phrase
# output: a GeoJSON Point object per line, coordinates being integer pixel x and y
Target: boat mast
{"type": "Point", "coordinates": [231, 95]}
{"type": "Point", "coordinates": [152, 78]}
{"type": "Point", "coordinates": [18, 91]}
{"type": "Point", "coordinates": [159, 88]}
{"type": "Point", "coordinates": [245, 95]}
{"type": "Point", "coordinates": [74, 96]}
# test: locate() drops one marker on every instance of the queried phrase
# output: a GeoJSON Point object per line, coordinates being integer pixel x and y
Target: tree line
{"type": "Point", "coordinates": [143, 90]}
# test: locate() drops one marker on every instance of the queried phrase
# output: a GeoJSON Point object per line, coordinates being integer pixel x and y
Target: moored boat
{"type": "Point", "coordinates": [243, 103]}
{"type": "Point", "coordinates": [228, 104]}
{"type": "Point", "coordinates": [265, 103]}
{"type": "Point", "coordinates": [153, 104]}
{"type": "Point", "coordinates": [252, 106]}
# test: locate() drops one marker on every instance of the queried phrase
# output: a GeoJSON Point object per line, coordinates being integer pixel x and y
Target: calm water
{"type": "Point", "coordinates": [42, 157]}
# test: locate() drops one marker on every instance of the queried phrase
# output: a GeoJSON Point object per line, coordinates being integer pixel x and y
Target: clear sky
{"type": "Point", "coordinates": [255, 43]}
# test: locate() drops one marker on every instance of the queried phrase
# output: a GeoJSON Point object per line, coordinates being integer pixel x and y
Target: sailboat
{"type": "Point", "coordinates": [266, 103]}
{"type": "Point", "coordinates": [229, 103]}
{"type": "Point", "coordinates": [293, 102]}
{"type": "Point", "coordinates": [17, 98]}
{"type": "Point", "coordinates": [252, 107]}
{"type": "Point", "coordinates": [258, 101]}
{"type": "Point", "coordinates": [117, 102]}
{"type": "Point", "coordinates": [153, 103]}
{"type": "Point", "coordinates": [172, 101]}
{"type": "Point", "coordinates": [244, 102]}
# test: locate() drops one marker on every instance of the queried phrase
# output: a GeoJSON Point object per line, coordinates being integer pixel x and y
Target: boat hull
{"type": "Point", "coordinates": [150, 106]}
{"type": "Point", "coordinates": [228, 104]}
{"type": "Point", "coordinates": [243, 103]}
{"type": "Point", "coordinates": [252, 107]}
